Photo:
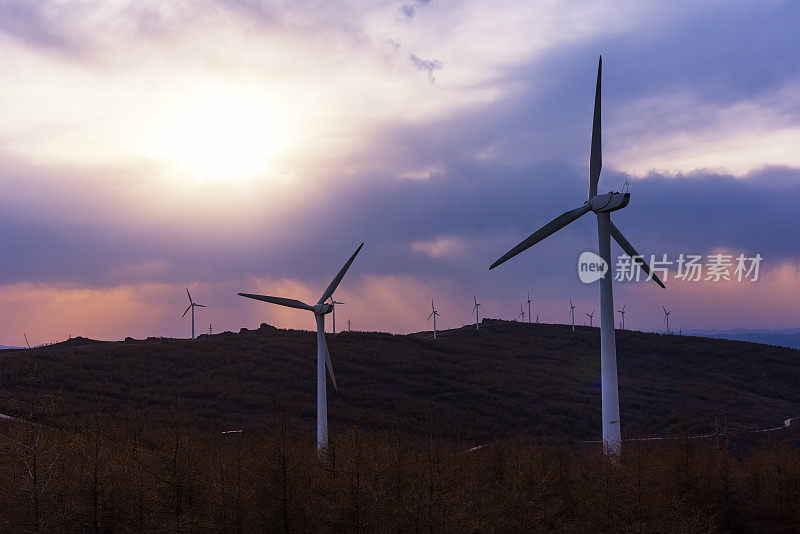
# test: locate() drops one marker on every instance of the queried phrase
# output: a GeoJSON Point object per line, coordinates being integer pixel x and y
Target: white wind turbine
{"type": "Point", "coordinates": [591, 318]}
{"type": "Point", "coordinates": [622, 312]}
{"type": "Point", "coordinates": [433, 314]}
{"type": "Point", "coordinates": [572, 313]}
{"type": "Point", "coordinates": [333, 313]}
{"type": "Point", "coordinates": [323, 356]}
{"type": "Point", "coordinates": [521, 313]}
{"type": "Point", "coordinates": [602, 205]}
{"type": "Point", "coordinates": [476, 310]}
{"type": "Point", "coordinates": [529, 308]}
{"type": "Point", "coordinates": [666, 317]}
{"type": "Point", "coordinates": [192, 306]}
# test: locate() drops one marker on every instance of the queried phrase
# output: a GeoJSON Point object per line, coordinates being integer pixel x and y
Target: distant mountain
{"type": "Point", "coordinates": [3, 347]}
{"type": "Point", "coordinates": [788, 337]}
{"type": "Point", "coordinates": [466, 386]}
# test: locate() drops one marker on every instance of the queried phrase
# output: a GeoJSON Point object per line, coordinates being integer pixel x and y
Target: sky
{"type": "Point", "coordinates": [249, 146]}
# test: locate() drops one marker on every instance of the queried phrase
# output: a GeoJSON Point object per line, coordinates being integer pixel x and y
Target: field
{"type": "Point", "coordinates": [127, 436]}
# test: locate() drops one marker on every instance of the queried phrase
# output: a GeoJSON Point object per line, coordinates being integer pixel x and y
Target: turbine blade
{"type": "Point", "coordinates": [190, 296]}
{"type": "Point", "coordinates": [550, 228]}
{"type": "Point", "coordinates": [200, 306]}
{"type": "Point", "coordinates": [630, 251]}
{"type": "Point", "coordinates": [187, 311]}
{"type": "Point", "coordinates": [291, 303]}
{"type": "Point", "coordinates": [335, 282]}
{"type": "Point", "coordinates": [596, 156]}
{"type": "Point", "coordinates": [328, 363]}
{"type": "Point", "coordinates": [431, 315]}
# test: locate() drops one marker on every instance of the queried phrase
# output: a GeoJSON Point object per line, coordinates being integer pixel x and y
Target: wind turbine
{"type": "Point", "coordinates": [591, 317]}
{"type": "Point", "coordinates": [666, 317]}
{"type": "Point", "coordinates": [333, 312]}
{"type": "Point", "coordinates": [475, 309]}
{"type": "Point", "coordinates": [602, 205]}
{"type": "Point", "coordinates": [323, 356]}
{"type": "Point", "coordinates": [433, 314]}
{"type": "Point", "coordinates": [192, 306]}
{"type": "Point", "coordinates": [622, 312]}
{"type": "Point", "coordinates": [529, 308]}
{"type": "Point", "coordinates": [521, 314]}
{"type": "Point", "coordinates": [572, 313]}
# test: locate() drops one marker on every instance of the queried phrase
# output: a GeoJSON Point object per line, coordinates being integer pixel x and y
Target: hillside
{"type": "Point", "coordinates": [781, 338]}
{"type": "Point", "coordinates": [538, 379]}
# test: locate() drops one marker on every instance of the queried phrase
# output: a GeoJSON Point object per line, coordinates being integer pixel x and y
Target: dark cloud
{"type": "Point", "coordinates": [23, 20]}
{"type": "Point", "coordinates": [408, 10]}
{"type": "Point", "coordinates": [428, 65]}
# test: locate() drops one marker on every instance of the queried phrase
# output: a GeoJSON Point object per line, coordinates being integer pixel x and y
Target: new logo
{"type": "Point", "coordinates": [591, 267]}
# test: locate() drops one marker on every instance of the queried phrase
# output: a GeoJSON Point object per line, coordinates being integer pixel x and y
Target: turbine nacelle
{"type": "Point", "coordinates": [608, 202]}
{"type": "Point", "coordinates": [322, 308]}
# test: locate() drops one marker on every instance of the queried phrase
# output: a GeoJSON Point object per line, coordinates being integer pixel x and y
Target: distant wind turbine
{"type": "Point", "coordinates": [602, 205]}
{"type": "Point", "coordinates": [529, 308]}
{"type": "Point", "coordinates": [521, 313]}
{"type": "Point", "coordinates": [666, 317]}
{"type": "Point", "coordinates": [622, 312]}
{"type": "Point", "coordinates": [433, 314]}
{"type": "Point", "coordinates": [591, 317]}
{"type": "Point", "coordinates": [572, 313]}
{"type": "Point", "coordinates": [333, 313]}
{"type": "Point", "coordinates": [348, 325]}
{"type": "Point", "coordinates": [192, 306]}
{"type": "Point", "coordinates": [476, 310]}
{"type": "Point", "coordinates": [323, 355]}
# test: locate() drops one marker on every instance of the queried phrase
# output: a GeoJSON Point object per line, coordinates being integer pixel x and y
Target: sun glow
{"type": "Point", "coordinates": [220, 133]}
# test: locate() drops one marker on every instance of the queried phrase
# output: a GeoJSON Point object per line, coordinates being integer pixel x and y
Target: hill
{"type": "Point", "coordinates": [469, 387]}
{"type": "Point", "coordinates": [781, 338]}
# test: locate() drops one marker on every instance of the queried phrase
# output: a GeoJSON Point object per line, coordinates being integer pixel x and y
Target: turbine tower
{"type": "Point", "coordinates": [475, 309]}
{"type": "Point", "coordinates": [572, 313]}
{"type": "Point", "coordinates": [622, 312]}
{"type": "Point", "coordinates": [666, 317]}
{"type": "Point", "coordinates": [433, 314]}
{"type": "Point", "coordinates": [192, 306]}
{"type": "Point", "coordinates": [591, 317]}
{"type": "Point", "coordinates": [529, 308]}
{"type": "Point", "coordinates": [323, 356]}
{"type": "Point", "coordinates": [333, 313]}
{"type": "Point", "coordinates": [602, 205]}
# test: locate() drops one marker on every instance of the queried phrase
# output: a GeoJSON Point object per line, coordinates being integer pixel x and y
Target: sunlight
{"type": "Point", "coordinates": [220, 133]}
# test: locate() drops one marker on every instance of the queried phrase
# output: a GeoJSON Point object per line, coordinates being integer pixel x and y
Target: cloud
{"type": "Point", "coordinates": [439, 247]}
{"type": "Point", "coordinates": [427, 65]}
{"type": "Point", "coordinates": [408, 10]}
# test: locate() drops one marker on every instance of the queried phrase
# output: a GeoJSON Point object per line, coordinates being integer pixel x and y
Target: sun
{"type": "Point", "coordinates": [220, 133]}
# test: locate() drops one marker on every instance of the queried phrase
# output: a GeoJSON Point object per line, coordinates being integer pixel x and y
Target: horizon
{"type": "Point", "coordinates": [249, 147]}
{"type": "Point", "coordinates": [679, 331]}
